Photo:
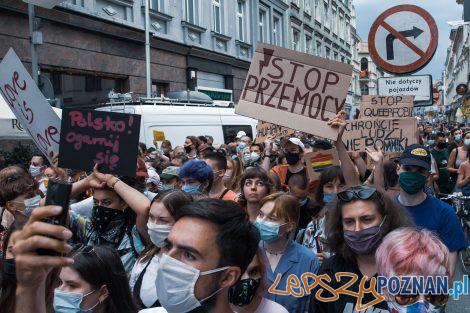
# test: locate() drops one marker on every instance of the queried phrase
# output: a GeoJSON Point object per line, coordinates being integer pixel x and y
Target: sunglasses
{"type": "Point", "coordinates": [406, 300]}
{"type": "Point", "coordinates": [360, 192]}
{"type": "Point", "coordinates": [82, 249]}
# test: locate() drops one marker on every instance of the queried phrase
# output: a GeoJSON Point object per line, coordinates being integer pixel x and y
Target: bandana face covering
{"type": "Point", "coordinates": [101, 217]}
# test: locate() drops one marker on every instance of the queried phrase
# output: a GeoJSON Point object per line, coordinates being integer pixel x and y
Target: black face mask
{"type": "Point", "coordinates": [102, 216]}
{"type": "Point", "coordinates": [441, 145]}
{"type": "Point", "coordinates": [187, 149]}
{"type": "Point", "coordinates": [9, 270]}
{"type": "Point", "coordinates": [243, 292]}
{"type": "Point", "coordinates": [292, 158]}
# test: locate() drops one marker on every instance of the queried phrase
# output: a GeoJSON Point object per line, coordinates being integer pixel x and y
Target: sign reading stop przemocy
{"type": "Point", "coordinates": [295, 90]}
{"type": "Point", "coordinates": [108, 139]}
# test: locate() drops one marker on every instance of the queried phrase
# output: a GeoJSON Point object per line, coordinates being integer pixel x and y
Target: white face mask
{"type": "Point", "coordinates": [158, 233]}
{"type": "Point", "coordinates": [466, 142]}
{"type": "Point", "coordinates": [254, 156]}
{"type": "Point", "coordinates": [30, 204]}
{"type": "Point", "coordinates": [227, 175]}
{"type": "Point", "coordinates": [176, 282]}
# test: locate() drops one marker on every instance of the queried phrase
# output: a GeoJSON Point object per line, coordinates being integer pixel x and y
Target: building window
{"type": "Point", "coordinates": [334, 20]}
{"type": "Point", "coordinates": [317, 10]}
{"type": "Point", "coordinates": [216, 16]}
{"type": "Point", "coordinates": [308, 44]}
{"type": "Point", "coordinates": [191, 11]}
{"type": "Point", "coordinates": [364, 64]}
{"type": "Point", "coordinates": [295, 39]}
{"type": "Point", "coordinates": [326, 15]}
{"type": "Point", "coordinates": [296, 2]}
{"type": "Point", "coordinates": [241, 20]}
{"type": "Point", "coordinates": [277, 32]}
{"type": "Point", "coordinates": [327, 53]}
{"type": "Point", "coordinates": [262, 26]}
{"type": "Point", "coordinates": [307, 7]}
{"type": "Point", "coordinates": [335, 56]}
{"type": "Point", "coordinates": [341, 25]}
{"type": "Point", "coordinates": [157, 5]}
{"type": "Point", "coordinates": [364, 90]}
{"type": "Point", "coordinates": [160, 89]}
{"type": "Point", "coordinates": [318, 48]}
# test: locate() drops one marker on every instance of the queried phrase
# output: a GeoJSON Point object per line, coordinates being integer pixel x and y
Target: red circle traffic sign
{"type": "Point", "coordinates": [423, 54]}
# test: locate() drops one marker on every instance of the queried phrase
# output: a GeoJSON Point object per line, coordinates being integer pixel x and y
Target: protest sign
{"type": "Point", "coordinates": [29, 105]}
{"type": "Point", "coordinates": [158, 135]}
{"type": "Point", "coordinates": [386, 106]}
{"type": "Point", "coordinates": [319, 161]}
{"type": "Point", "coordinates": [393, 134]}
{"type": "Point", "coordinates": [265, 130]}
{"type": "Point", "coordinates": [295, 90]}
{"type": "Point", "coordinates": [108, 139]}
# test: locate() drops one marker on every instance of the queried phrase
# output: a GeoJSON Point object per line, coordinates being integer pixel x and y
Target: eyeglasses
{"type": "Point", "coordinates": [82, 249]}
{"type": "Point", "coordinates": [409, 299]}
{"type": "Point", "coordinates": [360, 192]}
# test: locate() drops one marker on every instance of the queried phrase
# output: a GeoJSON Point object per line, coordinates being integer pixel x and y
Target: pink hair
{"type": "Point", "coordinates": [409, 251]}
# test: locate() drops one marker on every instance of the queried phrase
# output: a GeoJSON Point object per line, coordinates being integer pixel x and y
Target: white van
{"type": "Point", "coordinates": [178, 121]}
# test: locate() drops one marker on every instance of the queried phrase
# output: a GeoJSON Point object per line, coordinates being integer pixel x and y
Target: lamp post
{"type": "Point", "coordinates": [147, 49]}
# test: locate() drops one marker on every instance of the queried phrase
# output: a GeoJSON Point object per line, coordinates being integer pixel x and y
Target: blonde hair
{"type": "Point", "coordinates": [286, 206]}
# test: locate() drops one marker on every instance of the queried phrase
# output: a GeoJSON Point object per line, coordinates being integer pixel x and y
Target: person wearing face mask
{"type": "Point", "coordinates": [209, 247]}
{"type": "Point", "coordinates": [441, 155]}
{"type": "Point", "coordinates": [427, 212]}
{"type": "Point", "coordinates": [232, 174]}
{"type": "Point", "coordinates": [248, 294]}
{"type": "Point", "coordinates": [218, 163]}
{"type": "Point", "coordinates": [413, 252]}
{"type": "Point", "coordinates": [255, 155]}
{"type": "Point", "coordinates": [361, 217]}
{"type": "Point", "coordinates": [169, 179]}
{"type": "Point", "coordinates": [92, 279]}
{"type": "Point", "coordinates": [162, 211]}
{"type": "Point", "coordinates": [293, 150]}
{"type": "Point", "coordinates": [277, 222]}
{"type": "Point", "coordinates": [456, 158]}
{"type": "Point", "coordinates": [19, 194]}
{"type": "Point", "coordinates": [455, 139]}
{"type": "Point", "coordinates": [190, 146]}
{"type": "Point", "coordinates": [118, 217]}
{"type": "Point", "coordinates": [196, 176]}
{"type": "Point", "coordinates": [37, 166]}
{"type": "Point", "coordinates": [298, 187]}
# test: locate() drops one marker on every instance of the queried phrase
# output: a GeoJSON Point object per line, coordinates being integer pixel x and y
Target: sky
{"type": "Point", "coordinates": [441, 10]}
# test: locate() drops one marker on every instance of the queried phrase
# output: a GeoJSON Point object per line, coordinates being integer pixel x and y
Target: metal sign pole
{"type": "Point", "coordinates": [34, 56]}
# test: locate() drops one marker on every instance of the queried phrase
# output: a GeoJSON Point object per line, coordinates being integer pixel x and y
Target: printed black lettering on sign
{"type": "Point", "coordinates": [108, 139]}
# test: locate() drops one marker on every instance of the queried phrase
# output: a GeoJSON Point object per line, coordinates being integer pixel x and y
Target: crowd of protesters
{"type": "Point", "coordinates": [210, 227]}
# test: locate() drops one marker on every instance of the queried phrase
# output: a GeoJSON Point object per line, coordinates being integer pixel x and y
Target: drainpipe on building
{"type": "Point", "coordinates": [147, 49]}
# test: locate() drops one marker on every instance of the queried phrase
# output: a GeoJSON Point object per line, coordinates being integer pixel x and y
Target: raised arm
{"type": "Point", "coordinates": [349, 171]}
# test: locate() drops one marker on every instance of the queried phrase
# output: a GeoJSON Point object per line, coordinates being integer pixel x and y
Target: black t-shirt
{"type": "Point", "coordinates": [290, 174]}
{"type": "Point", "coordinates": [304, 218]}
{"type": "Point", "coordinates": [345, 303]}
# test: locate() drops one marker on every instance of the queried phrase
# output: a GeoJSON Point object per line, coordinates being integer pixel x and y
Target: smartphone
{"type": "Point", "coordinates": [58, 193]}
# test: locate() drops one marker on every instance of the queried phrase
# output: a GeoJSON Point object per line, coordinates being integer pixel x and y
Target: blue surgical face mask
{"type": "Point", "coordinates": [191, 188]}
{"type": "Point", "coordinates": [328, 197]}
{"type": "Point", "coordinates": [34, 170]}
{"type": "Point", "coordinates": [241, 146]}
{"type": "Point", "coordinates": [269, 231]}
{"type": "Point", "coordinates": [165, 187]}
{"type": "Point", "coordinates": [458, 137]}
{"type": "Point", "coordinates": [30, 205]}
{"type": "Point", "coordinates": [68, 302]}
{"type": "Point", "coordinates": [430, 142]}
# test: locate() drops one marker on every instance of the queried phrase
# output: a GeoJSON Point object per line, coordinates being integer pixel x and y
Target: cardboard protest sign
{"type": "Point", "coordinates": [391, 134]}
{"type": "Point", "coordinates": [265, 130]}
{"type": "Point", "coordinates": [107, 138]}
{"type": "Point", "coordinates": [158, 135]}
{"type": "Point", "coordinates": [319, 161]}
{"type": "Point", "coordinates": [294, 89]}
{"type": "Point", "coordinates": [29, 105]}
{"type": "Point", "coordinates": [386, 107]}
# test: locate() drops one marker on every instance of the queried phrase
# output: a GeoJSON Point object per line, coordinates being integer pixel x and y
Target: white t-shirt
{"type": "Point", "coordinates": [269, 306]}
{"type": "Point", "coordinates": [148, 292]}
{"type": "Point", "coordinates": [84, 207]}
